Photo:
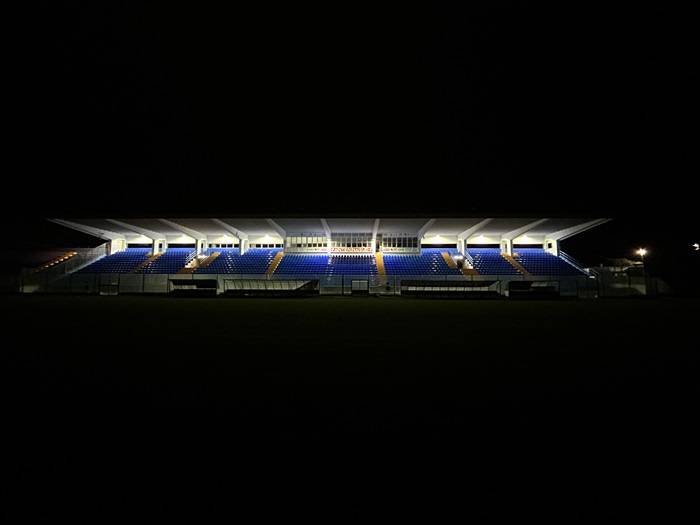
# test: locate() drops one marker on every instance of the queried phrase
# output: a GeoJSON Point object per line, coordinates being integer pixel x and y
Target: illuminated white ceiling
{"type": "Point", "coordinates": [185, 229]}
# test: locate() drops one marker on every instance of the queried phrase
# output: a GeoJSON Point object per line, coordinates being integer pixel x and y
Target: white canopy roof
{"type": "Point", "coordinates": [475, 230]}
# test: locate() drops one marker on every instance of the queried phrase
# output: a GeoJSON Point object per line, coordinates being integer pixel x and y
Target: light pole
{"type": "Point", "coordinates": [642, 252]}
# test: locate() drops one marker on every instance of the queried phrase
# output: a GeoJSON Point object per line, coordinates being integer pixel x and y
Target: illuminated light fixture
{"type": "Point", "coordinates": [696, 246]}
{"type": "Point", "coordinates": [642, 252]}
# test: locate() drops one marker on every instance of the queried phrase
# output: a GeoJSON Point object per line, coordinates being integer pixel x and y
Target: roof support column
{"type": "Point", "coordinates": [240, 235]}
{"type": "Point", "coordinates": [551, 240]}
{"type": "Point", "coordinates": [375, 229]}
{"type": "Point", "coordinates": [462, 237]}
{"type": "Point", "coordinates": [551, 246]}
{"type": "Point", "coordinates": [115, 241]}
{"type": "Point", "coordinates": [508, 237]}
{"type": "Point", "coordinates": [461, 245]}
{"type": "Point", "coordinates": [159, 246]}
{"type": "Point", "coordinates": [116, 246]}
{"type": "Point", "coordinates": [422, 231]}
{"type": "Point", "coordinates": [327, 229]}
{"type": "Point", "coordinates": [507, 246]}
{"type": "Point", "coordinates": [200, 239]}
{"type": "Point", "coordinates": [160, 243]}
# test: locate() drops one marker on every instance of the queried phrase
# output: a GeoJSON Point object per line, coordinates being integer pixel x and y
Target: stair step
{"type": "Point", "coordinates": [274, 263]}
{"type": "Point", "coordinates": [379, 257]}
{"type": "Point", "coordinates": [147, 262]}
{"type": "Point", "coordinates": [515, 264]}
{"type": "Point", "coordinates": [449, 260]}
{"type": "Point", "coordinates": [197, 263]}
{"type": "Point", "coordinates": [53, 262]}
{"type": "Point", "coordinates": [206, 262]}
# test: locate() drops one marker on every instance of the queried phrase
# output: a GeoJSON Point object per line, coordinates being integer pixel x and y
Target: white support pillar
{"type": "Point", "coordinates": [461, 245]}
{"type": "Point", "coordinates": [117, 241]}
{"type": "Point", "coordinates": [116, 246]}
{"type": "Point", "coordinates": [159, 246]}
{"type": "Point", "coordinates": [160, 243]}
{"type": "Point", "coordinates": [375, 229]}
{"type": "Point", "coordinates": [278, 229]}
{"type": "Point", "coordinates": [421, 232]}
{"type": "Point", "coordinates": [552, 239]}
{"type": "Point", "coordinates": [508, 237]}
{"type": "Point", "coordinates": [575, 230]}
{"type": "Point", "coordinates": [229, 229]}
{"type": "Point", "coordinates": [462, 237]}
{"type": "Point", "coordinates": [507, 246]}
{"type": "Point", "coordinates": [327, 229]}
{"type": "Point", "coordinates": [243, 246]}
{"type": "Point", "coordinates": [423, 229]}
{"type": "Point", "coordinates": [200, 239]}
{"type": "Point", "coordinates": [551, 246]}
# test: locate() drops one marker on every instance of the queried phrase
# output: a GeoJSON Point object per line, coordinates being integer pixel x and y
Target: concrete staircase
{"type": "Point", "coordinates": [452, 264]}
{"type": "Point", "coordinates": [146, 262]}
{"type": "Point", "coordinates": [197, 263]}
{"type": "Point", "coordinates": [274, 263]}
{"type": "Point", "coordinates": [449, 260]}
{"type": "Point", "coordinates": [379, 257]}
{"type": "Point", "coordinates": [56, 260]}
{"type": "Point", "coordinates": [515, 264]}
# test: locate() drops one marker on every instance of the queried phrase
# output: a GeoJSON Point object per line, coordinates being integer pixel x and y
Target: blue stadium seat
{"type": "Point", "coordinates": [254, 262]}
{"type": "Point", "coordinates": [303, 264]}
{"type": "Point", "coordinates": [352, 265]}
{"type": "Point", "coordinates": [429, 262]}
{"type": "Point", "coordinates": [172, 261]}
{"type": "Point", "coordinates": [451, 251]}
{"type": "Point", "coordinates": [125, 261]}
{"type": "Point", "coordinates": [322, 264]}
{"type": "Point", "coordinates": [539, 262]}
{"type": "Point", "coordinates": [489, 261]}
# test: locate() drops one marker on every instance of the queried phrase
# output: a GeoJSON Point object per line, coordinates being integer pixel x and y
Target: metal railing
{"type": "Point", "coordinates": [468, 258]}
{"type": "Point", "coordinates": [32, 280]}
{"type": "Point", "coordinates": [573, 262]}
{"type": "Point", "coordinates": [111, 284]}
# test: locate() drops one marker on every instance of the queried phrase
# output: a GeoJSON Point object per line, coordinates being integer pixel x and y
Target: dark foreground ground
{"type": "Point", "coordinates": [588, 386]}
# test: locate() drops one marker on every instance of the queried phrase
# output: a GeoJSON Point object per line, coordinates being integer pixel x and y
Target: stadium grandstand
{"type": "Point", "coordinates": [386, 256]}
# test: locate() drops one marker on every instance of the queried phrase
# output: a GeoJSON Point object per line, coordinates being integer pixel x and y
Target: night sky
{"type": "Point", "coordinates": [135, 109]}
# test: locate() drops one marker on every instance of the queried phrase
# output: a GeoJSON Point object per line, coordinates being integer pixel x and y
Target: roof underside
{"type": "Point", "coordinates": [526, 230]}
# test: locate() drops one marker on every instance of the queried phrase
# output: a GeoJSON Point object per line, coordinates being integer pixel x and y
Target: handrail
{"type": "Point", "coordinates": [573, 262]}
{"type": "Point", "coordinates": [468, 258]}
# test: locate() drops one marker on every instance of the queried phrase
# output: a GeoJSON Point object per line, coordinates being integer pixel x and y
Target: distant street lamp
{"type": "Point", "coordinates": [696, 246]}
{"type": "Point", "coordinates": [642, 252]}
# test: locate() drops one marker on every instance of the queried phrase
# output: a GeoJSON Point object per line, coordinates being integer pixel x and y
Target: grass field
{"type": "Point", "coordinates": [349, 364]}
{"type": "Point", "coordinates": [156, 388]}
